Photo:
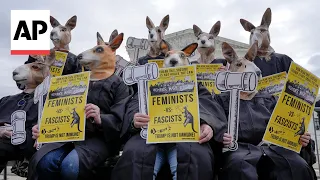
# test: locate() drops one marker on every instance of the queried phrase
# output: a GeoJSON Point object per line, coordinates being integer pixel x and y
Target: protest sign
{"type": "Point", "coordinates": [291, 116]}
{"type": "Point", "coordinates": [158, 61]}
{"type": "Point", "coordinates": [272, 84]}
{"type": "Point", "coordinates": [206, 75]}
{"type": "Point", "coordinates": [57, 68]}
{"type": "Point", "coordinates": [63, 116]}
{"type": "Point", "coordinates": [173, 106]}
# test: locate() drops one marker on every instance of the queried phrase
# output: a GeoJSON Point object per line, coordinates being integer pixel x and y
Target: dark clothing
{"type": "Point", "coordinates": [101, 142]}
{"type": "Point", "coordinates": [8, 105]}
{"type": "Point", "coordinates": [277, 64]}
{"type": "Point", "coordinates": [215, 61]}
{"type": "Point", "coordinates": [195, 161]}
{"type": "Point", "coordinates": [144, 60]}
{"type": "Point", "coordinates": [251, 160]}
{"type": "Point", "coordinates": [71, 66]}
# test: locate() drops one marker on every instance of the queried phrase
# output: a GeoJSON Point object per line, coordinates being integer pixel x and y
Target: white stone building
{"type": "Point", "coordinates": [180, 39]}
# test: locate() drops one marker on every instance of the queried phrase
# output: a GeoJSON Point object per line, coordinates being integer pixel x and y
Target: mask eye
{"type": "Point", "coordinates": [167, 54]}
{"type": "Point", "coordinates": [198, 38]}
{"type": "Point", "coordinates": [99, 49]}
{"type": "Point", "coordinates": [149, 31]}
{"type": "Point", "coordinates": [63, 29]}
{"type": "Point", "coordinates": [35, 67]}
{"type": "Point", "coordinates": [159, 31]}
{"type": "Point", "coordinates": [211, 37]}
{"type": "Point", "coordinates": [239, 64]}
{"type": "Point", "coordinates": [182, 55]}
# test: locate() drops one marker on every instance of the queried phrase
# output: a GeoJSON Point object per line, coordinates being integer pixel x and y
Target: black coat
{"type": "Point", "coordinates": [215, 61]}
{"type": "Point", "coordinates": [8, 105]}
{"type": "Point", "coordinates": [71, 66]}
{"type": "Point", "coordinates": [195, 161]}
{"type": "Point", "coordinates": [101, 142]}
{"type": "Point", "coordinates": [244, 163]}
{"type": "Point", "coordinates": [277, 64]}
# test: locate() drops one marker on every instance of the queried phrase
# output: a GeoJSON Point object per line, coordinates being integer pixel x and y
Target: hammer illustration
{"type": "Point", "coordinates": [235, 82]}
{"type": "Point", "coordinates": [141, 74]}
{"type": "Point", "coordinates": [39, 92]}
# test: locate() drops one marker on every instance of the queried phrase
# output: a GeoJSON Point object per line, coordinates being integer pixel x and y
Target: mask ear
{"type": "Point", "coordinates": [188, 50]}
{"type": "Point", "coordinates": [149, 23]}
{"type": "Point", "coordinates": [266, 18]}
{"type": "Point", "coordinates": [49, 59]}
{"type": "Point", "coordinates": [165, 46]}
{"type": "Point", "coordinates": [252, 52]}
{"type": "Point", "coordinates": [215, 29]}
{"type": "Point", "coordinates": [72, 22]}
{"type": "Point", "coordinates": [228, 52]}
{"type": "Point", "coordinates": [165, 22]}
{"type": "Point", "coordinates": [100, 40]}
{"type": "Point", "coordinates": [113, 35]}
{"type": "Point", "coordinates": [54, 23]}
{"type": "Point", "coordinates": [196, 30]}
{"type": "Point", "coordinates": [116, 42]}
{"type": "Point", "coordinates": [248, 26]}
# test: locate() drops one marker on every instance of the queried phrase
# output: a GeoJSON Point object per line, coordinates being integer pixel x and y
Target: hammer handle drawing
{"type": "Point", "coordinates": [233, 122]}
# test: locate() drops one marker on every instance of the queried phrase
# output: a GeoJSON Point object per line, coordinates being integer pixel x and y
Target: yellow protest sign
{"type": "Point", "coordinates": [57, 68]}
{"type": "Point", "coordinates": [158, 61]}
{"type": "Point", "coordinates": [206, 74]}
{"type": "Point", "coordinates": [291, 116]}
{"type": "Point", "coordinates": [63, 116]}
{"type": "Point", "coordinates": [173, 106]}
{"type": "Point", "coordinates": [272, 84]}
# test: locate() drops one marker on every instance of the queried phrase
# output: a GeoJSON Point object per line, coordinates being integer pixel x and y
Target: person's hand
{"type": "Point", "coordinates": [140, 120]}
{"type": "Point", "coordinates": [305, 139]}
{"type": "Point", "coordinates": [206, 133]}
{"type": "Point", "coordinates": [93, 111]}
{"type": "Point", "coordinates": [222, 68]}
{"type": "Point", "coordinates": [5, 133]}
{"type": "Point", "coordinates": [227, 138]}
{"type": "Point", "coordinates": [35, 131]}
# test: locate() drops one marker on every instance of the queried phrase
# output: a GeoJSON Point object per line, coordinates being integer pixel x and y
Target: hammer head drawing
{"type": "Point", "coordinates": [147, 72]}
{"type": "Point", "coordinates": [243, 81]}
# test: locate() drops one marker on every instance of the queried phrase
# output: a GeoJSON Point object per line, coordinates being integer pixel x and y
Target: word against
{"type": "Point", "coordinates": [30, 32]}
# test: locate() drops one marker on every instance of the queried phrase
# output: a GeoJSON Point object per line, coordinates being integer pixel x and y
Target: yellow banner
{"type": "Point", "coordinates": [158, 61]}
{"type": "Point", "coordinates": [57, 68]}
{"type": "Point", "coordinates": [272, 84]}
{"type": "Point", "coordinates": [63, 116]}
{"type": "Point", "coordinates": [291, 116]}
{"type": "Point", "coordinates": [173, 106]}
{"type": "Point", "coordinates": [206, 74]}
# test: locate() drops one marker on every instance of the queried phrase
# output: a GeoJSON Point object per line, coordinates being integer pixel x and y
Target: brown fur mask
{"type": "Point", "coordinates": [61, 35]}
{"type": "Point", "coordinates": [260, 34]}
{"type": "Point", "coordinates": [175, 58]}
{"type": "Point", "coordinates": [101, 59]}
{"type": "Point", "coordinates": [206, 44]}
{"type": "Point", "coordinates": [32, 74]}
{"type": "Point", "coordinates": [156, 35]}
{"type": "Point", "coordinates": [244, 64]}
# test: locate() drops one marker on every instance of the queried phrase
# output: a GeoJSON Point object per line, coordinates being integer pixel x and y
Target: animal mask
{"type": "Point", "coordinates": [32, 74]}
{"type": "Point", "coordinates": [260, 34]}
{"type": "Point", "coordinates": [175, 58]}
{"type": "Point", "coordinates": [61, 35]}
{"type": "Point", "coordinates": [206, 42]}
{"type": "Point", "coordinates": [244, 64]}
{"type": "Point", "coordinates": [101, 59]}
{"type": "Point", "coordinates": [156, 35]}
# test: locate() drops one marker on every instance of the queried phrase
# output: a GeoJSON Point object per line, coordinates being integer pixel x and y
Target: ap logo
{"type": "Point", "coordinates": [30, 33]}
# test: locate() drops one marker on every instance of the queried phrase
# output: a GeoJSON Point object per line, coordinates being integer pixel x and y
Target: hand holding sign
{"type": "Point", "coordinates": [235, 82]}
{"type": "Point", "coordinates": [140, 75]}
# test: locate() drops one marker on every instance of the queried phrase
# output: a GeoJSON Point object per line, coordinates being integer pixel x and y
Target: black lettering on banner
{"type": "Point", "coordinates": [286, 122]}
{"type": "Point", "coordinates": [297, 104]}
{"type": "Point", "coordinates": [57, 120]}
{"type": "Point", "coordinates": [187, 134]}
{"type": "Point", "coordinates": [160, 136]}
{"type": "Point", "coordinates": [23, 25]}
{"type": "Point", "coordinates": [65, 101]}
{"type": "Point", "coordinates": [172, 99]}
{"type": "Point", "coordinates": [72, 134]}
{"type": "Point", "coordinates": [167, 119]}
{"type": "Point", "coordinates": [51, 136]}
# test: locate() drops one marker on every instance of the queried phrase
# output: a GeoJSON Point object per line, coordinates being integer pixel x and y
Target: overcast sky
{"type": "Point", "coordinates": [294, 28]}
